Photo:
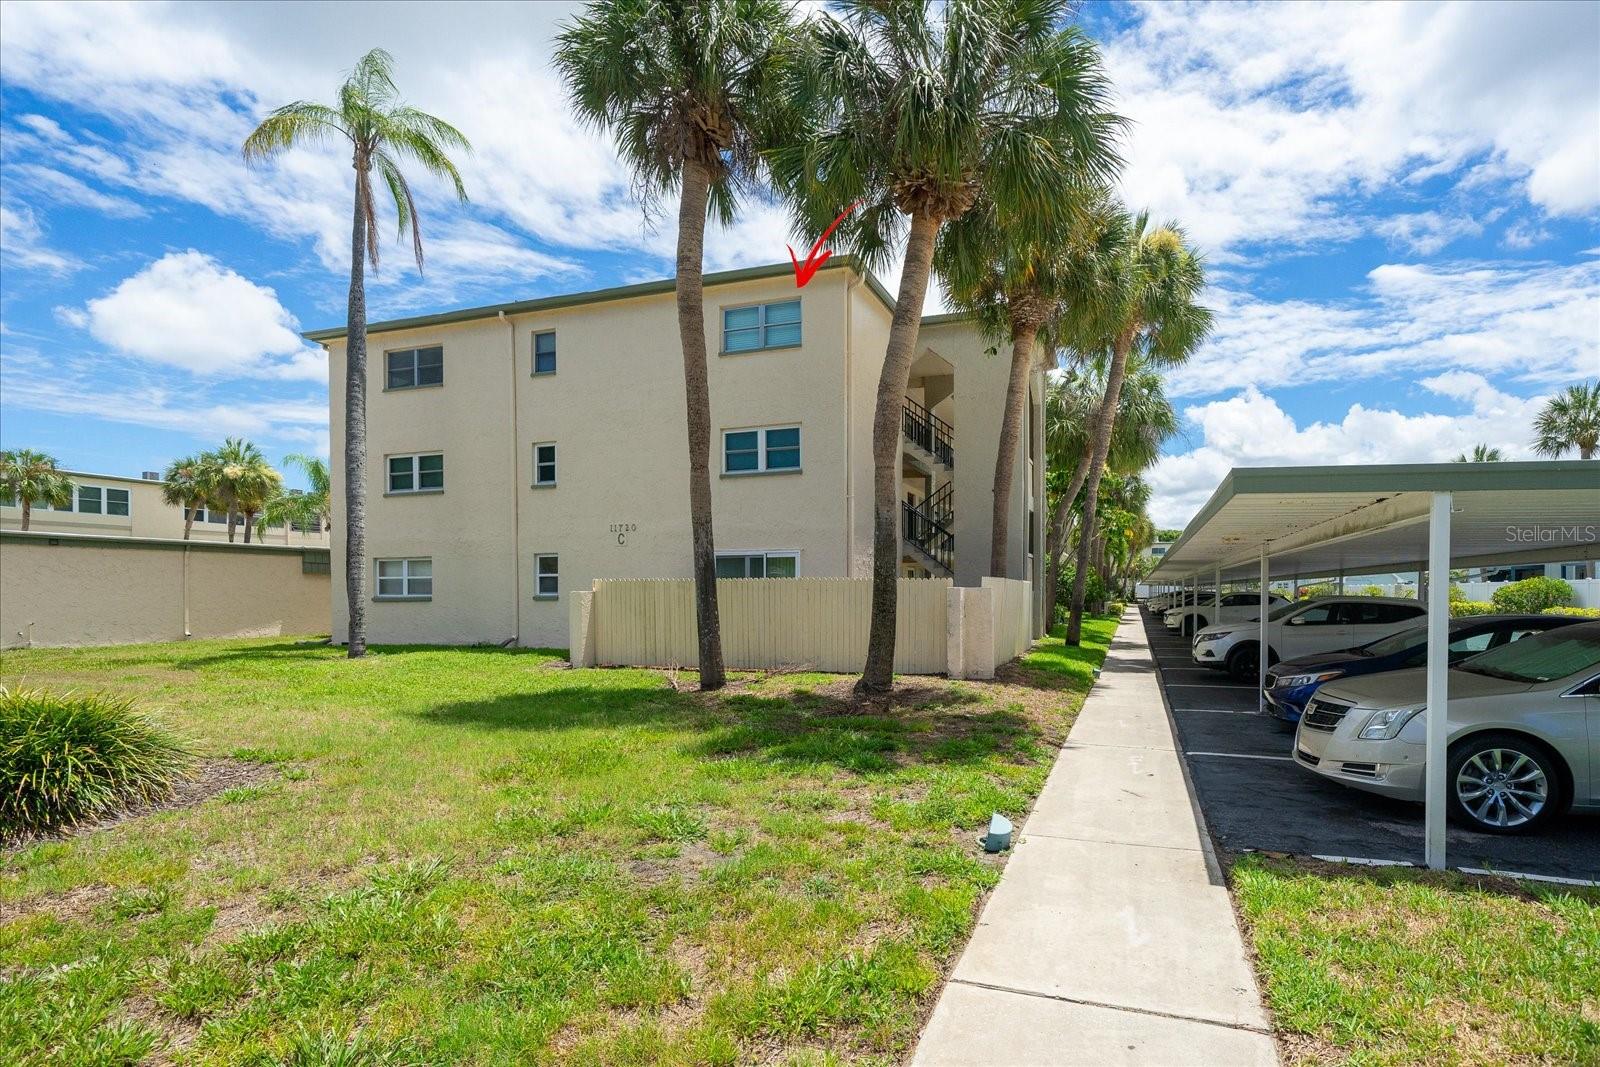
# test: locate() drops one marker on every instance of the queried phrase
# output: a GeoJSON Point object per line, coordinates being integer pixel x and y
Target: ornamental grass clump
{"type": "Point", "coordinates": [67, 757]}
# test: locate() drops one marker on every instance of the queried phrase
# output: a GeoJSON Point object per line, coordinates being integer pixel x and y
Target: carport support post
{"type": "Point", "coordinates": [1438, 696]}
{"type": "Point", "coordinates": [1216, 594]}
{"type": "Point", "coordinates": [1261, 649]}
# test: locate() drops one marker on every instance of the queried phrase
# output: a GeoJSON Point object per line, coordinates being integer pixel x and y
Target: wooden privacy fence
{"type": "Point", "coordinates": [815, 623]}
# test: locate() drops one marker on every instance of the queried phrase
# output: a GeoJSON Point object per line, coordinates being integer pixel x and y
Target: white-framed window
{"type": "Point", "coordinates": [89, 500]}
{"type": "Point", "coordinates": [211, 515]}
{"type": "Point", "coordinates": [544, 463]}
{"type": "Point", "coordinates": [761, 450]}
{"type": "Point", "coordinates": [758, 326]}
{"type": "Point", "coordinates": [412, 368]}
{"type": "Point", "coordinates": [546, 576]}
{"type": "Point", "coordinates": [404, 579]}
{"type": "Point", "coordinates": [544, 352]}
{"type": "Point", "coordinates": [420, 473]}
{"type": "Point", "coordinates": [784, 564]}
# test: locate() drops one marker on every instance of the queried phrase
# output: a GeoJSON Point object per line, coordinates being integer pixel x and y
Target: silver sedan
{"type": "Point", "coordinates": [1523, 732]}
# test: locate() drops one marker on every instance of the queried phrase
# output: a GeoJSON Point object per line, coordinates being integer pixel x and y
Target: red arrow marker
{"type": "Point", "coordinates": [804, 271]}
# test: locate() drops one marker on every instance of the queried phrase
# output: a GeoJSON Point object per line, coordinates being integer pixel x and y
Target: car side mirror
{"type": "Point", "coordinates": [1298, 620]}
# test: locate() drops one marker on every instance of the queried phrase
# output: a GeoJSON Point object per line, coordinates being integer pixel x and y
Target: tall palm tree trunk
{"type": "Point", "coordinates": [249, 524]}
{"type": "Point", "coordinates": [697, 391]}
{"type": "Point", "coordinates": [1056, 540]}
{"type": "Point", "coordinates": [1097, 462]}
{"type": "Point", "coordinates": [188, 521]}
{"type": "Point", "coordinates": [1023, 334]}
{"type": "Point", "coordinates": [27, 512]}
{"type": "Point", "coordinates": [355, 426]}
{"type": "Point", "coordinates": [233, 524]}
{"type": "Point", "coordinates": [877, 676]}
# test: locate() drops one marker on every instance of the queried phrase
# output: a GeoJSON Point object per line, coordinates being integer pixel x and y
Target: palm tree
{"type": "Point", "coordinates": [308, 508]}
{"type": "Point", "coordinates": [1145, 420]}
{"type": "Point", "coordinates": [240, 479]}
{"type": "Point", "coordinates": [1480, 454]}
{"type": "Point", "coordinates": [28, 478]}
{"type": "Point", "coordinates": [691, 92]}
{"type": "Point", "coordinates": [1570, 421]}
{"type": "Point", "coordinates": [1017, 278]}
{"type": "Point", "coordinates": [382, 132]}
{"type": "Point", "coordinates": [909, 109]}
{"type": "Point", "coordinates": [1155, 279]}
{"type": "Point", "coordinates": [186, 484]}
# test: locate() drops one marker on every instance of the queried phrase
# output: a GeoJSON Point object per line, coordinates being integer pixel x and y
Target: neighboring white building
{"type": "Point", "coordinates": [110, 505]}
{"type": "Point", "coordinates": [523, 450]}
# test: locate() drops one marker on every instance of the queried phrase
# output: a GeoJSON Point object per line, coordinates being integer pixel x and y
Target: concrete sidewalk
{"type": "Point", "coordinates": [1110, 938]}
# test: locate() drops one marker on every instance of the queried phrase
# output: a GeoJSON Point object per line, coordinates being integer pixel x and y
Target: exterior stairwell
{"type": "Point", "coordinates": [928, 532]}
{"type": "Point", "coordinates": [929, 440]}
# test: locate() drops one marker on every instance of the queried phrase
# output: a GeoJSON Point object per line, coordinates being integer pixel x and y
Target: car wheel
{"type": "Point", "coordinates": [1501, 783]}
{"type": "Point", "coordinates": [1243, 663]}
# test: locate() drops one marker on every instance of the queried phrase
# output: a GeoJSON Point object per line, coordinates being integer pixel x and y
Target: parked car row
{"type": "Point", "coordinates": [1348, 675]}
{"type": "Point", "coordinates": [1230, 607]}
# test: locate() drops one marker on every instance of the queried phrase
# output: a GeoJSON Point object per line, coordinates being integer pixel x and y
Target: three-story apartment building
{"type": "Point", "coordinates": [521, 451]}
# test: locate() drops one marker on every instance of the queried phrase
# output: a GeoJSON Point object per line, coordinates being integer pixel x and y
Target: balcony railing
{"type": "Point", "coordinates": [928, 525]}
{"type": "Point", "coordinates": [935, 436]}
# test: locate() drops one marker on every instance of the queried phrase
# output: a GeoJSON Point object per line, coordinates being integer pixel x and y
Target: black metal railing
{"type": "Point", "coordinates": [922, 427]}
{"type": "Point", "coordinates": [924, 528]}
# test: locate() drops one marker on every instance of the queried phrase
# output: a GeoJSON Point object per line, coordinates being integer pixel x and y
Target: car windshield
{"type": "Point", "coordinates": [1541, 657]}
{"type": "Point", "coordinates": [1400, 642]}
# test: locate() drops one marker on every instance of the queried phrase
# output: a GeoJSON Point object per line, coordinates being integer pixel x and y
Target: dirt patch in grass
{"type": "Point", "coordinates": [209, 778]}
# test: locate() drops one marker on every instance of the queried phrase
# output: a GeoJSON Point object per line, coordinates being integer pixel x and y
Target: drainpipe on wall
{"type": "Point", "coordinates": [516, 492]}
{"type": "Point", "coordinates": [185, 583]}
{"type": "Point", "coordinates": [849, 427]}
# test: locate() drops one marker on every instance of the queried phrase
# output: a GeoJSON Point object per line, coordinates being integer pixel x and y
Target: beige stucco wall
{"type": "Point", "coordinates": [148, 516]}
{"type": "Point", "coordinates": [83, 590]}
{"type": "Point", "coordinates": [615, 410]}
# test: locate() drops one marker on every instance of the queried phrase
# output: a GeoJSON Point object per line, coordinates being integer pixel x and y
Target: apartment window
{"type": "Point", "coordinates": [546, 577]}
{"type": "Point", "coordinates": [760, 326]}
{"type": "Point", "coordinates": [544, 463]}
{"type": "Point", "coordinates": [423, 473]}
{"type": "Point", "coordinates": [775, 448]}
{"type": "Point", "coordinates": [544, 353]}
{"type": "Point", "coordinates": [405, 579]}
{"type": "Point", "coordinates": [89, 499]}
{"type": "Point", "coordinates": [411, 368]}
{"type": "Point", "coordinates": [758, 564]}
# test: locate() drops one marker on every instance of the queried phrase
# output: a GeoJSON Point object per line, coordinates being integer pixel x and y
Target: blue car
{"type": "Point", "coordinates": [1291, 682]}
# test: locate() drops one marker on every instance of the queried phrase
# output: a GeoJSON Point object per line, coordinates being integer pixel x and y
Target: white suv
{"type": "Point", "coordinates": [1302, 628]}
{"type": "Point", "coordinates": [1236, 607]}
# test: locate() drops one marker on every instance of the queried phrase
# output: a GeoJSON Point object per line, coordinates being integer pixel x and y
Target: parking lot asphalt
{"type": "Point", "coordinates": [1255, 796]}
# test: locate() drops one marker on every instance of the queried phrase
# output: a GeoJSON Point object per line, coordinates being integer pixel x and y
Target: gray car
{"type": "Point", "coordinates": [1523, 732]}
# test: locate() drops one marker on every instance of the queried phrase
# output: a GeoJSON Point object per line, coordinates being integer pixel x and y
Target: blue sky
{"type": "Point", "coordinates": [1398, 206]}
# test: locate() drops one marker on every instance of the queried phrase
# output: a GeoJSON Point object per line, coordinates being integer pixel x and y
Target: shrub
{"type": "Point", "coordinates": [1457, 593]}
{"type": "Point", "coordinates": [1582, 613]}
{"type": "Point", "coordinates": [1094, 590]}
{"type": "Point", "coordinates": [1532, 595]}
{"type": "Point", "coordinates": [1308, 592]}
{"type": "Point", "coordinates": [69, 757]}
{"type": "Point", "coordinates": [1460, 608]}
{"type": "Point", "coordinates": [1372, 590]}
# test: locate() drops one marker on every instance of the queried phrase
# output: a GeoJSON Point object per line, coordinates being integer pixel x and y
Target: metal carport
{"type": "Point", "coordinates": [1267, 523]}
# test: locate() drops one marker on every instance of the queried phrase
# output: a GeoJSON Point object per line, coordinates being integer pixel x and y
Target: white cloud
{"type": "Point", "coordinates": [186, 310]}
{"type": "Point", "coordinates": [22, 243]}
{"type": "Point", "coordinates": [1427, 232]}
{"type": "Point", "coordinates": [1524, 235]}
{"type": "Point", "coordinates": [1251, 430]}
{"type": "Point", "coordinates": [1256, 120]}
{"type": "Point", "coordinates": [1538, 322]}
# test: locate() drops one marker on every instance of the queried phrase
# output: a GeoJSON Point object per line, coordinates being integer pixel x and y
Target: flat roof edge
{"type": "Point", "coordinates": [656, 287]}
{"type": "Point", "coordinates": [29, 536]}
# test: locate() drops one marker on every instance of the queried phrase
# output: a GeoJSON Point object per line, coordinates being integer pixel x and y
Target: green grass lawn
{"type": "Point", "coordinates": [1387, 965]}
{"type": "Point", "coordinates": [437, 855]}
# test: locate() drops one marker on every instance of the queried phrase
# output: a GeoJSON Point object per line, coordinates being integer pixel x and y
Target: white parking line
{"type": "Point", "coordinates": [1221, 711]}
{"type": "Point", "coordinates": [1198, 685]}
{"type": "Point", "coordinates": [1240, 755]}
